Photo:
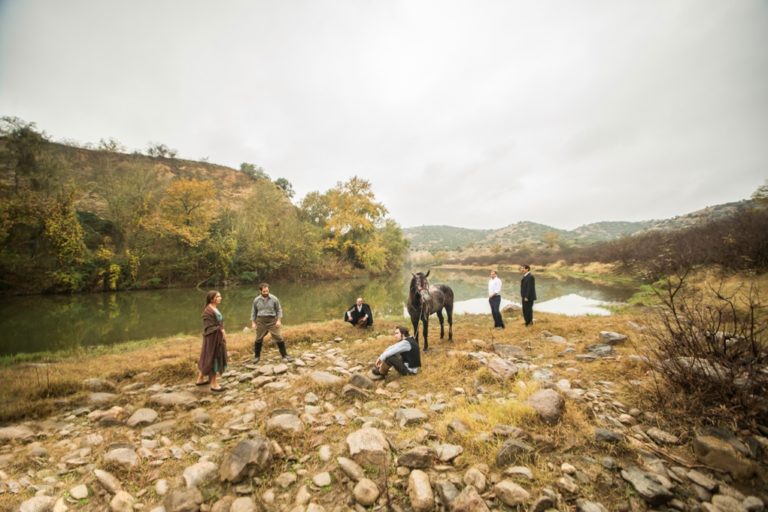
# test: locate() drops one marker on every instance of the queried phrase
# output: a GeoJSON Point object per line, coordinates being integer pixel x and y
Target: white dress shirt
{"type": "Point", "coordinates": [494, 286]}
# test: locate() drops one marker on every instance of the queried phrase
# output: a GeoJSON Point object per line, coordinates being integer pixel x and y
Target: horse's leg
{"type": "Point", "coordinates": [415, 323]}
{"type": "Point", "coordinates": [449, 312]}
{"type": "Point", "coordinates": [425, 324]}
{"type": "Point", "coordinates": [440, 317]}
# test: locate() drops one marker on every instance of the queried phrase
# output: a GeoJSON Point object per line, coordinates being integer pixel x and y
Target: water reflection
{"type": "Point", "coordinates": [36, 323]}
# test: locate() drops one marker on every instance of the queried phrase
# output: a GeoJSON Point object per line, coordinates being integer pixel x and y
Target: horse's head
{"type": "Point", "coordinates": [420, 286]}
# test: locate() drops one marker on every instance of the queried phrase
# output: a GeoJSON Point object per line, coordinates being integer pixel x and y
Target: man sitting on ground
{"type": "Point", "coordinates": [403, 355]}
{"type": "Point", "coordinates": [359, 314]}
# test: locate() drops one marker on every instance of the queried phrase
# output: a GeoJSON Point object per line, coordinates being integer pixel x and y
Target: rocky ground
{"type": "Point", "coordinates": [533, 420]}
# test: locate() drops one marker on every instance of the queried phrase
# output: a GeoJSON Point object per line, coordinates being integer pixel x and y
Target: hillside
{"type": "Point", "coordinates": [74, 219]}
{"type": "Point", "coordinates": [534, 235]}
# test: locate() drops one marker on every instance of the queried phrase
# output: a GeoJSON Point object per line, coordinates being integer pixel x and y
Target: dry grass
{"type": "Point", "coordinates": [447, 375]}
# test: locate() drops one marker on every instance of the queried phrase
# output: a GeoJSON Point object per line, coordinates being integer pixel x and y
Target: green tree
{"type": "Point", "coordinates": [23, 145]}
{"type": "Point", "coordinates": [253, 171]}
{"type": "Point", "coordinates": [158, 150]}
{"type": "Point", "coordinates": [285, 185]}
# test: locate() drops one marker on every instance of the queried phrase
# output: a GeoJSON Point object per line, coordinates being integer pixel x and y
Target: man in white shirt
{"type": "Point", "coordinates": [494, 298]}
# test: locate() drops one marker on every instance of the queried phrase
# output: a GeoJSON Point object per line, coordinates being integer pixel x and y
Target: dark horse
{"type": "Point", "coordinates": [423, 300]}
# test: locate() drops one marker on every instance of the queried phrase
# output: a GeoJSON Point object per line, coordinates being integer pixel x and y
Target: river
{"type": "Point", "coordinates": [55, 322]}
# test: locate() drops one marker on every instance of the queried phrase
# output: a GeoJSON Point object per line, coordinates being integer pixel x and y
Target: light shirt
{"type": "Point", "coordinates": [494, 286]}
{"type": "Point", "coordinates": [398, 348]}
{"type": "Point", "coordinates": [266, 307]}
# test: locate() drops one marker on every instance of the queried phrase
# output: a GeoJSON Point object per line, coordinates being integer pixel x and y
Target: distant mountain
{"type": "Point", "coordinates": [532, 234]}
{"type": "Point", "coordinates": [437, 238]}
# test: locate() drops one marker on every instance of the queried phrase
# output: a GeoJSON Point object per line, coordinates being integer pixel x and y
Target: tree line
{"type": "Point", "coordinates": [81, 219]}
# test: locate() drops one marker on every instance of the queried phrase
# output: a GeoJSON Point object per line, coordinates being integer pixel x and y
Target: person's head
{"type": "Point", "coordinates": [401, 332]}
{"type": "Point", "coordinates": [525, 268]}
{"type": "Point", "coordinates": [359, 301]}
{"type": "Point", "coordinates": [264, 288]}
{"type": "Point", "coordinates": [493, 274]}
{"type": "Point", "coordinates": [213, 297]}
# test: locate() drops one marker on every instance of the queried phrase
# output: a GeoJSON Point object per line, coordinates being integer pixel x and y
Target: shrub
{"type": "Point", "coordinates": [708, 351]}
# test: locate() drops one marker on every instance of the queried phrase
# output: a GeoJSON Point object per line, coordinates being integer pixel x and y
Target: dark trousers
{"type": "Point", "coordinates": [528, 311]}
{"type": "Point", "coordinates": [495, 302]}
{"type": "Point", "coordinates": [396, 362]}
{"type": "Point", "coordinates": [264, 325]}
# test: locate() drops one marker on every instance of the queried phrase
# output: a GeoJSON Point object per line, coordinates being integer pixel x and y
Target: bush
{"type": "Point", "coordinates": [708, 351]}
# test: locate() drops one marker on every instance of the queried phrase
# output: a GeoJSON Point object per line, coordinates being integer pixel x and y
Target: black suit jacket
{"type": "Point", "coordinates": [365, 310]}
{"type": "Point", "coordinates": [528, 288]}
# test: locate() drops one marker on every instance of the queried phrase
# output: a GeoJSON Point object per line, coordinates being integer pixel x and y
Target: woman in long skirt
{"type": "Point", "coordinates": [213, 354]}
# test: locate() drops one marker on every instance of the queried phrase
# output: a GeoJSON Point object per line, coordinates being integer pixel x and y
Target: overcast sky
{"type": "Point", "coordinates": [475, 113]}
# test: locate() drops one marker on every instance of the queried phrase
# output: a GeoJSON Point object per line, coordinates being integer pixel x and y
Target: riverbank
{"type": "Point", "coordinates": [480, 424]}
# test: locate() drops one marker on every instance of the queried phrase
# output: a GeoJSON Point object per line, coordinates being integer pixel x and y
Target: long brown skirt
{"type": "Point", "coordinates": [213, 354]}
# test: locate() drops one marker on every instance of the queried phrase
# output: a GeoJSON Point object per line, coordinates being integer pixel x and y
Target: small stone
{"type": "Point", "coordinates": [350, 468]}
{"type": "Point", "coordinates": [243, 504]}
{"type": "Point", "coordinates": [121, 502]}
{"type": "Point", "coordinates": [475, 478]}
{"type": "Point", "coordinates": [510, 493]}
{"type": "Point", "coordinates": [366, 492]}
{"type": "Point", "coordinates": [322, 479]}
{"type": "Point", "coordinates": [107, 480]}
{"type": "Point", "coordinates": [420, 491]}
{"type": "Point", "coordinates": [79, 492]}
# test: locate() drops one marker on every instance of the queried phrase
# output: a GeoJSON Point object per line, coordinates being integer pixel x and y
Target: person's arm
{"type": "Point", "coordinates": [278, 312]}
{"type": "Point", "coordinates": [400, 346]}
{"type": "Point", "coordinates": [254, 312]}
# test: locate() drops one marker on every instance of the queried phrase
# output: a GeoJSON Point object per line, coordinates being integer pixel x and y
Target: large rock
{"type": "Point", "coordinates": [510, 493]}
{"type": "Point", "coordinates": [548, 404]}
{"type": "Point", "coordinates": [512, 452]}
{"type": "Point", "coordinates": [719, 454]}
{"type": "Point", "coordinates": [326, 379]}
{"type": "Point", "coordinates": [249, 454]}
{"type": "Point", "coordinates": [420, 491]}
{"type": "Point", "coordinates": [37, 504]}
{"type": "Point", "coordinates": [612, 338]}
{"type": "Point", "coordinates": [97, 385]}
{"type": "Point", "coordinates": [410, 416]}
{"type": "Point", "coordinates": [448, 452]}
{"type": "Point", "coordinates": [285, 423]}
{"type": "Point", "coordinates": [107, 480]}
{"type": "Point", "coordinates": [121, 502]}
{"type": "Point", "coordinates": [361, 381]}
{"type": "Point", "coordinates": [502, 368]}
{"type": "Point", "coordinates": [199, 473]}
{"type": "Point", "coordinates": [183, 500]}
{"type": "Point", "coordinates": [419, 457]}
{"type": "Point", "coordinates": [243, 504]}
{"type": "Point", "coordinates": [16, 433]}
{"type": "Point", "coordinates": [366, 492]}
{"type": "Point", "coordinates": [173, 399]}
{"type": "Point", "coordinates": [351, 468]}
{"type": "Point", "coordinates": [142, 416]}
{"type": "Point", "coordinates": [368, 447]}
{"type": "Point", "coordinates": [469, 500]}
{"type": "Point", "coordinates": [647, 486]}
{"type": "Point", "coordinates": [123, 457]}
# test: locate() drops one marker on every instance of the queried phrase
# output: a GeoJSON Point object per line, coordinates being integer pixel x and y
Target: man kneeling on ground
{"type": "Point", "coordinates": [403, 355]}
{"type": "Point", "coordinates": [359, 314]}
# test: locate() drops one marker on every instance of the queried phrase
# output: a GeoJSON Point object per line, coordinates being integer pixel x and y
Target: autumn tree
{"type": "Point", "coordinates": [188, 210]}
{"type": "Point", "coordinates": [353, 224]}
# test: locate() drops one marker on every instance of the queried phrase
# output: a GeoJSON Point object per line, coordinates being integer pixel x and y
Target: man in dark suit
{"type": "Point", "coordinates": [359, 314]}
{"type": "Point", "coordinates": [527, 293]}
